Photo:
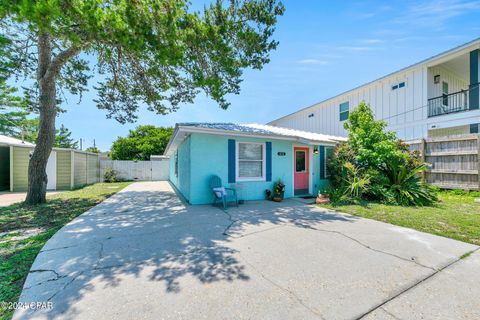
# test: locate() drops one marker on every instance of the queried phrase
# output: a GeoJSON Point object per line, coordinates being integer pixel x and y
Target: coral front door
{"type": "Point", "coordinates": [301, 174]}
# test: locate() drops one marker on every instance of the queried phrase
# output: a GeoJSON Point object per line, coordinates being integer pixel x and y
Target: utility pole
{"type": "Point", "coordinates": [81, 144]}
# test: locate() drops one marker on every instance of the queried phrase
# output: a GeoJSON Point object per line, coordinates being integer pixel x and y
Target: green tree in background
{"type": "Point", "coordinates": [14, 115]}
{"type": "Point", "coordinates": [93, 149]}
{"type": "Point", "coordinates": [159, 53]}
{"type": "Point", "coordinates": [63, 139]}
{"type": "Point", "coordinates": [141, 143]}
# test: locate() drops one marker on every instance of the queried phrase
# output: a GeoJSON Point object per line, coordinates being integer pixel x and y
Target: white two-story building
{"type": "Point", "coordinates": [435, 97]}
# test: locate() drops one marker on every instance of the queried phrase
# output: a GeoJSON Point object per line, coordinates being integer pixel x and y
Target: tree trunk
{"type": "Point", "coordinates": [37, 175]}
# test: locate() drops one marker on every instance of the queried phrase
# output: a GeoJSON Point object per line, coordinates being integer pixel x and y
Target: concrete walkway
{"type": "Point", "coordinates": [143, 254]}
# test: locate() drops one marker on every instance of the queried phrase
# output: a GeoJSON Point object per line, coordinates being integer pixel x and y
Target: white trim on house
{"type": "Point", "coordinates": [264, 162]}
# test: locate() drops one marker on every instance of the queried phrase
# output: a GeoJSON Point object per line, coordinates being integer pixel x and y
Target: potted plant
{"type": "Point", "coordinates": [278, 191]}
{"type": "Point", "coordinates": [322, 198]}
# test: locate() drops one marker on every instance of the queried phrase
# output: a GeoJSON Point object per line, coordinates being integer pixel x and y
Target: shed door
{"type": "Point", "coordinates": [52, 171]}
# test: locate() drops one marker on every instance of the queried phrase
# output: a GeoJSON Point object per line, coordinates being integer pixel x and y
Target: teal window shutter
{"type": "Point", "coordinates": [321, 153]}
{"type": "Point", "coordinates": [268, 169]}
{"type": "Point", "coordinates": [231, 161]}
{"type": "Point", "coordinates": [474, 128]}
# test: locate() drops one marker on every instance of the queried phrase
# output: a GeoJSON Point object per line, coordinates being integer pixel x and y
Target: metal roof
{"type": "Point", "coordinates": [250, 129]}
{"type": "Point", "coordinates": [14, 142]}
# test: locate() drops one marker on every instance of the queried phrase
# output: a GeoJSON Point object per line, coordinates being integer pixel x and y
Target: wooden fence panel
{"type": "Point", "coordinates": [454, 161]}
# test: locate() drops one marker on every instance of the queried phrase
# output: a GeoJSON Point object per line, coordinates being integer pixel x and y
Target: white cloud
{"type": "Point", "coordinates": [371, 41]}
{"type": "Point", "coordinates": [313, 61]}
{"type": "Point", "coordinates": [357, 48]}
{"type": "Point", "coordinates": [435, 13]}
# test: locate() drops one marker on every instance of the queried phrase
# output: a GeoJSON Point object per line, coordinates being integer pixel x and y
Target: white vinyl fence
{"type": "Point", "coordinates": [156, 170]}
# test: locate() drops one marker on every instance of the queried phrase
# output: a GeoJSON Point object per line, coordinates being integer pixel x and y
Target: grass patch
{"type": "Point", "coordinates": [455, 216]}
{"type": "Point", "coordinates": [18, 252]}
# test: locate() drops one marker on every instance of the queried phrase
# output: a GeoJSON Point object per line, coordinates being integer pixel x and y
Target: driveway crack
{"type": "Point", "coordinates": [232, 221]}
{"type": "Point", "coordinates": [65, 286]}
{"type": "Point", "coordinates": [373, 249]}
{"type": "Point", "coordinates": [417, 283]}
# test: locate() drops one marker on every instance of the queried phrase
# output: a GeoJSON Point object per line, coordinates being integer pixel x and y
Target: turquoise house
{"type": "Point", "coordinates": [247, 157]}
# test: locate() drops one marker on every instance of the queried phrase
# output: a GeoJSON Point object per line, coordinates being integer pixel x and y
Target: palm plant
{"type": "Point", "coordinates": [407, 186]}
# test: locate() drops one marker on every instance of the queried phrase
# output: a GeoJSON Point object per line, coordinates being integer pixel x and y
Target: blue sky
{"type": "Point", "coordinates": [325, 48]}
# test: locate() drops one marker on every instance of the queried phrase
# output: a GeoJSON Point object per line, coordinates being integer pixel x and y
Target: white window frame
{"type": "Point", "coordinates": [237, 162]}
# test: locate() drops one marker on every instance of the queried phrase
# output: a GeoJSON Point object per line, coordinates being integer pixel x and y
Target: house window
{"type": "Point", "coordinates": [344, 111]}
{"type": "Point", "coordinates": [176, 163]}
{"type": "Point", "coordinates": [445, 93]}
{"type": "Point", "coordinates": [250, 161]}
{"type": "Point", "coordinates": [300, 161]}
{"type": "Point", "coordinates": [398, 85]}
{"type": "Point", "coordinates": [474, 128]}
{"type": "Point", "coordinates": [328, 155]}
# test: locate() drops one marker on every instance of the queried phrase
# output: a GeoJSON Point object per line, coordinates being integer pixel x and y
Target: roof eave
{"type": "Point", "coordinates": [189, 129]}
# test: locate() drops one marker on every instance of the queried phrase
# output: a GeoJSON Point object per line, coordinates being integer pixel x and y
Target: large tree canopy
{"type": "Point", "coordinates": [141, 143]}
{"type": "Point", "coordinates": [158, 53]}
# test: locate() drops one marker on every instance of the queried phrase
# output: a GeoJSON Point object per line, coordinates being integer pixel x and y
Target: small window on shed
{"type": "Point", "coordinates": [343, 108]}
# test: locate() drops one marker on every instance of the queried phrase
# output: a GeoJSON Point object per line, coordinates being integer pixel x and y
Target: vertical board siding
{"type": "Point", "coordinates": [455, 82]}
{"type": "Point", "coordinates": [93, 169]}
{"type": "Point", "coordinates": [21, 158]}
{"type": "Point", "coordinates": [63, 169]}
{"type": "Point", "coordinates": [404, 109]}
{"type": "Point", "coordinates": [400, 107]}
{"type": "Point", "coordinates": [80, 169]}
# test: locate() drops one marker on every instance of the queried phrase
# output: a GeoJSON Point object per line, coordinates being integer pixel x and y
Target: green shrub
{"type": "Point", "coordinates": [374, 165]}
{"type": "Point", "coordinates": [111, 175]}
{"type": "Point", "coordinates": [336, 195]}
{"type": "Point", "coordinates": [407, 187]}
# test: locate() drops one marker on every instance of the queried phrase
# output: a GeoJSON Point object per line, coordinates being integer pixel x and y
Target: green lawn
{"type": "Point", "coordinates": [456, 215]}
{"type": "Point", "coordinates": [17, 254]}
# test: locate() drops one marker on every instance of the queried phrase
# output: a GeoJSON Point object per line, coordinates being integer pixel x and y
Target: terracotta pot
{"type": "Point", "coordinates": [277, 199]}
{"type": "Point", "coordinates": [322, 200]}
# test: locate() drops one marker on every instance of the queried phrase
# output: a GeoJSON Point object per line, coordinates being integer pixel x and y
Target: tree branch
{"type": "Point", "coordinates": [59, 61]}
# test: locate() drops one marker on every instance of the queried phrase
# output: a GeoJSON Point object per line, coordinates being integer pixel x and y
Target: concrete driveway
{"type": "Point", "coordinates": [143, 254]}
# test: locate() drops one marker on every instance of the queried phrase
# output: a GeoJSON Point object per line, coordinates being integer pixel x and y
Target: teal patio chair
{"type": "Point", "coordinates": [222, 194]}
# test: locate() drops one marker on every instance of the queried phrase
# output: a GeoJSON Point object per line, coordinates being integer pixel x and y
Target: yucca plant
{"type": "Point", "coordinates": [407, 186]}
